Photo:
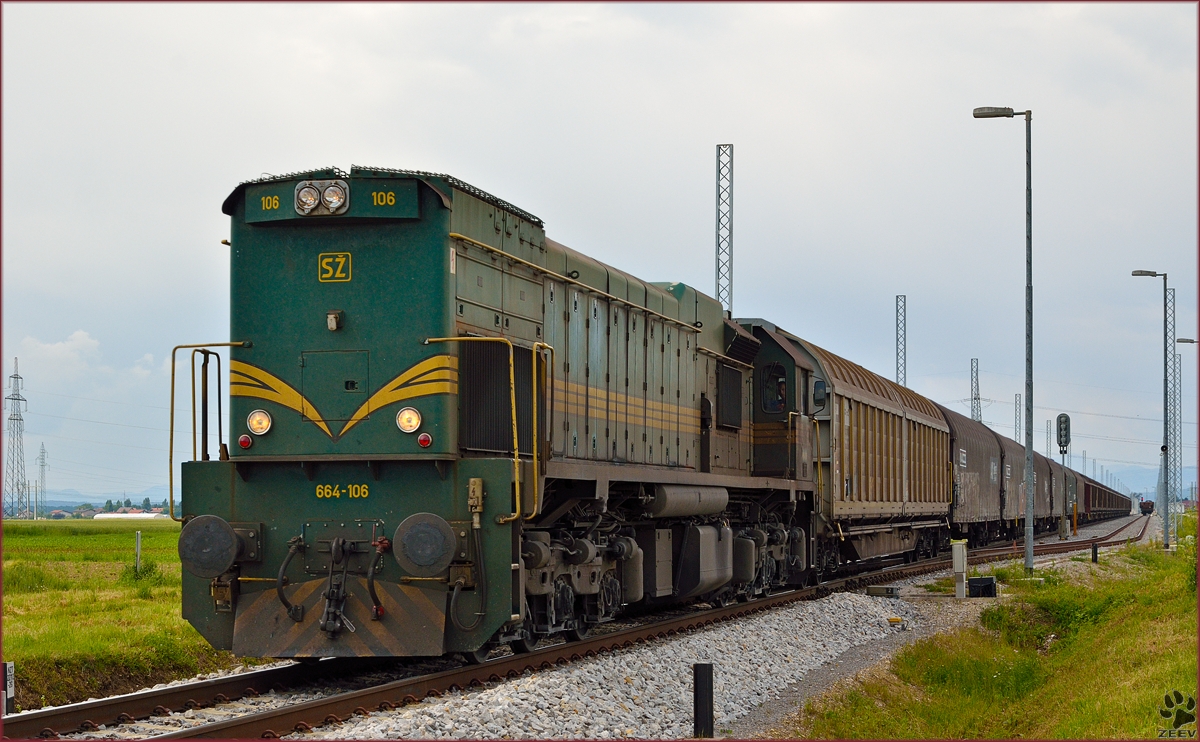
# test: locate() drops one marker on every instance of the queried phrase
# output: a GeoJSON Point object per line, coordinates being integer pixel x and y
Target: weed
{"type": "Point", "coordinates": [1105, 651]}
{"type": "Point", "coordinates": [22, 577]}
{"type": "Point", "coordinates": [940, 585]}
{"type": "Point", "coordinates": [1015, 575]}
{"type": "Point", "coordinates": [972, 668]}
{"type": "Point", "coordinates": [147, 575]}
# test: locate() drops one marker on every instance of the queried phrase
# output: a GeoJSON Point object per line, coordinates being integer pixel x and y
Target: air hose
{"type": "Point", "coordinates": [294, 612]}
{"type": "Point", "coordinates": [458, 586]}
{"type": "Point", "coordinates": [381, 546]}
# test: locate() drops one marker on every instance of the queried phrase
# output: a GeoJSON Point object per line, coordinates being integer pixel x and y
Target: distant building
{"type": "Point", "coordinates": [86, 513]}
{"type": "Point", "coordinates": [59, 514]}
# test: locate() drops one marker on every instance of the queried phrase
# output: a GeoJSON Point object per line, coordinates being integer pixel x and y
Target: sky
{"type": "Point", "coordinates": [859, 174]}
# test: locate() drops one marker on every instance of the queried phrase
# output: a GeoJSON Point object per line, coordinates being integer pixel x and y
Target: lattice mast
{"type": "Point", "coordinates": [1174, 472]}
{"type": "Point", "coordinates": [976, 407]}
{"type": "Point", "coordinates": [725, 226]}
{"type": "Point", "coordinates": [16, 487]}
{"type": "Point", "coordinates": [1049, 450]}
{"type": "Point", "coordinates": [901, 341]}
{"type": "Point", "coordinates": [43, 465]}
{"type": "Point", "coordinates": [1175, 462]}
{"type": "Point", "coordinates": [1017, 418]}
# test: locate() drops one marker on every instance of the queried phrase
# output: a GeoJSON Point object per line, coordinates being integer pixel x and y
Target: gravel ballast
{"type": "Point", "coordinates": [645, 691]}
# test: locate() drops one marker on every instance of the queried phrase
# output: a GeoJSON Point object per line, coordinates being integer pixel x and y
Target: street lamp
{"type": "Point", "coordinates": [1166, 498]}
{"type": "Point", "coordinates": [989, 112]}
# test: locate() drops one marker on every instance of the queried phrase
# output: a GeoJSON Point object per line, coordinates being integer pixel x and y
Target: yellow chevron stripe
{"type": "Point", "coordinates": [246, 380]}
{"type": "Point", "coordinates": [436, 375]}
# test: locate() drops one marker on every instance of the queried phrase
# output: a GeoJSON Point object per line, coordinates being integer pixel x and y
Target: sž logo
{"type": "Point", "coordinates": [1178, 710]}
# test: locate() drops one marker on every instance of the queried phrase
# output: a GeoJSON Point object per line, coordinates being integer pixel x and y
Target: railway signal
{"type": "Point", "coordinates": [1064, 432]}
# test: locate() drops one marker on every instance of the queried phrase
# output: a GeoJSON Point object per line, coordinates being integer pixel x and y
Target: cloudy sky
{"type": "Point", "coordinates": [859, 174]}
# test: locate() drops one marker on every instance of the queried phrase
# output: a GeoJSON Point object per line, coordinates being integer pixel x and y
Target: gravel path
{"type": "Point", "coordinates": [646, 691]}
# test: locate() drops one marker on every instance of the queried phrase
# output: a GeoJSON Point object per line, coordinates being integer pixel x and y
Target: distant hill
{"type": "Point", "coordinates": [70, 497]}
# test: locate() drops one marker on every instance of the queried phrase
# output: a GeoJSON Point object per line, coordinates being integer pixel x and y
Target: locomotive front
{"type": "Point", "coordinates": [341, 520]}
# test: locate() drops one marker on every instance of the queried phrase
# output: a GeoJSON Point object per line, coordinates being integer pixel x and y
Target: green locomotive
{"type": "Point", "coordinates": [452, 432]}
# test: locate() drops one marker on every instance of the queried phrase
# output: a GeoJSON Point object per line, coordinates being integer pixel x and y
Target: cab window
{"type": "Point", "coordinates": [774, 389]}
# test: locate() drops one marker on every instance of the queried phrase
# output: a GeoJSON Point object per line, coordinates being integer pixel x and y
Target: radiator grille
{"type": "Point", "coordinates": [485, 414]}
{"type": "Point", "coordinates": [729, 397]}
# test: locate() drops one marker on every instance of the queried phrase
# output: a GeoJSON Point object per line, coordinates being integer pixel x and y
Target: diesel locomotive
{"type": "Point", "coordinates": [448, 432]}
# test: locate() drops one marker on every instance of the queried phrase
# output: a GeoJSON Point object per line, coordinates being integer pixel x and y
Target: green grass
{"type": "Point", "coordinates": [21, 578]}
{"type": "Point", "coordinates": [90, 540]}
{"type": "Point", "coordinates": [1105, 648]}
{"type": "Point", "coordinates": [79, 621]}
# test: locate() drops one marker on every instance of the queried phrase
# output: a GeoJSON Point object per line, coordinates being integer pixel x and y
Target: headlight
{"type": "Point", "coordinates": [307, 199]}
{"type": "Point", "coordinates": [259, 422]}
{"type": "Point", "coordinates": [333, 197]}
{"type": "Point", "coordinates": [408, 420]}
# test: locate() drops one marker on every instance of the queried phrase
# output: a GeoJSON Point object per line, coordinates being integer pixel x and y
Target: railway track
{"type": "Point", "coordinates": [89, 716]}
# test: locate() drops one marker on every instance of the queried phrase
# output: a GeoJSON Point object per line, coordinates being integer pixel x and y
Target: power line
{"type": "Point", "coordinates": [1050, 381]}
{"type": "Point", "coordinates": [105, 401]}
{"type": "Point", "coordinates": [1073, 412]}
{"type": "Point", "coordinates": [105, 422]}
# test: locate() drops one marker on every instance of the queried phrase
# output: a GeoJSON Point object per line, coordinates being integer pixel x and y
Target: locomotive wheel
{"type": "Point", "coordinates": [578, 634]}
{"type": "Point", "coordinates": [527, 641]}
{"type": "Point", "coordinates": [479, 656]}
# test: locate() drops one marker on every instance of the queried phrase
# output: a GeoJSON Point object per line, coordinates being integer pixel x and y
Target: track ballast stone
{"type": "Point", "coordinates": [645, 691]}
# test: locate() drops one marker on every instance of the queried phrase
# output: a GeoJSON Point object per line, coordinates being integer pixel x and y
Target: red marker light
{"type": "Point", "coordinates": [424, 440]}
{"type": "Point", "coordinates": [245, 441]}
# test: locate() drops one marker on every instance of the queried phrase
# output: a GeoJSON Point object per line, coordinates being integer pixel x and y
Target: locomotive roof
{"type": "Point", "coordinates": [430, 179]}
{"type": "Point", "coordinates": [848, 378]}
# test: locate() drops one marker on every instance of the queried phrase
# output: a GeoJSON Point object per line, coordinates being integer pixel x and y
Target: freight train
{"type": "Point", "coordinates": [448, 432]}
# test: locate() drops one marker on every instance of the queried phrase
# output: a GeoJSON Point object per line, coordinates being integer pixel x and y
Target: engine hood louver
{"type": "Point", "coordinates": [739, 344]}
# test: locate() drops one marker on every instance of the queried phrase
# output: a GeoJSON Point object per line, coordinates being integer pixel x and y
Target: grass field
{"type": "Point", "coordinates": [1089, 654]}
{"type": "Point", "coordinates": [79, 623]}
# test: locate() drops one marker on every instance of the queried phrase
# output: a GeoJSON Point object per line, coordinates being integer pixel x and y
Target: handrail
{"type": "Point", "coordinates": [567, 279]}
{"type": "Point", "coordinates": [171, 444]}
{"type": "Point", "coordinates": [724, 358]}
{"type": "Point", "coordinates": [818, 457]}
{"type": "Point", "coordinates": [793, 439]}
{"type": "Point", "coordinates": [533, 374]}
{"type": "Point", "coordinates": [204, 386]}
{"type": "Point", "coordinates": [512, 395]}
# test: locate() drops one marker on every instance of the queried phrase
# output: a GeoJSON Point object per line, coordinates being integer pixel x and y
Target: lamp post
{"type": "Point", "coordinates": [989, 112]}
{"type": "Point", "coordinates": [1166, 498]}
